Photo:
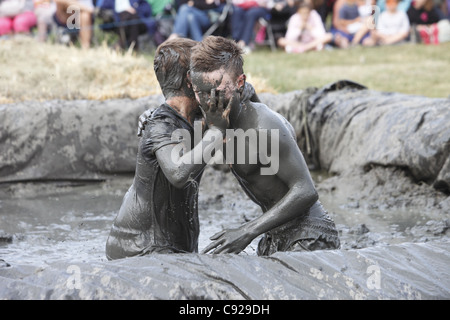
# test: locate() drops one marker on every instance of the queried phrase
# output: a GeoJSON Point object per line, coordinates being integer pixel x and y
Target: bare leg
{"type": "Point", "coordinates": [360, 34]}
{"type": "Point", "coordinates": [86, 29]}
{"type": "Point", "coordinates": [341, 41]}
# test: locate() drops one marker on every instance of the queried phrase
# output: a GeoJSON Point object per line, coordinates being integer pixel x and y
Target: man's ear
{"type": "Point", "coordinates": [241, 82]}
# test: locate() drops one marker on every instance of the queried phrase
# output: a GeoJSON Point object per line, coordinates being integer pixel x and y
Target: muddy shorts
{"type": "Point", "coordinates": [315, 231]}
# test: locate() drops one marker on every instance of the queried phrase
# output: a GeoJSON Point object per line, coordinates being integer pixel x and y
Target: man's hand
{"type": "Point", "coordinates": [216, 114]}
{"type": "Point", "coordinates": [229, 241]}
{"type": "Point", "coordinates": [143, 120]}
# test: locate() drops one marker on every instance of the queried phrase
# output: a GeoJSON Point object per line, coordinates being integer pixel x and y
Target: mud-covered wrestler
{"type": "Point", "coordinates": [293, 218]}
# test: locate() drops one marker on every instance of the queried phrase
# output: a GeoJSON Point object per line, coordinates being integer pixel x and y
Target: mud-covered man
{"type": "Point", "coordinates": [293, 218]}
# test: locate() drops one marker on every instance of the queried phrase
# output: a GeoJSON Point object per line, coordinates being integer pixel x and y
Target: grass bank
{"type": "Point", "coordinates": [40, 71]}
{"type": "Point", "coordinates": [409, 68]}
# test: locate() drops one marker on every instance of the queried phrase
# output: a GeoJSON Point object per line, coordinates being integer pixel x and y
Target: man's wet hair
{"type": "Point", "coordinates": [171, 64]}
{"type": "Point", "coordinates": [214, 53]}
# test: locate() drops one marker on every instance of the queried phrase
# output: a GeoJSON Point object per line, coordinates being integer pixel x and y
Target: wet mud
{"type": "Point", "coordinates": [45, 222]}
{"type": "Point", "coordinates": [390, 218]}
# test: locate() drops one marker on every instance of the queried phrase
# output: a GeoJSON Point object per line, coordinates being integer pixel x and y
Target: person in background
{"type": "Point", "coordinates": [193, 18]}
{"type": "Point", "coordinates": [65, 11]}
{"type": "Point", "coordinates": [392, 28]}
{"type": "Point", "coordinates": [16, 17]}
{"type": "Point", "coordinates": [305, 30]}
{"type": "Point", "coordinates": [423, 17]}
{"type": "Point", "coordinates": [44, 11]}
{"type": "Point", "coordinates": [135, 18]}
{"type": "Point", "coordinates": [346, 23]}
{"type": "Point", "coordinates": [246, 14]}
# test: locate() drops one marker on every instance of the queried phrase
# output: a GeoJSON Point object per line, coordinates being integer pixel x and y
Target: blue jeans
{"type": "Point", "coordinates": [191, 22]}
{"type": "Point", "coordinates": [243, 22]}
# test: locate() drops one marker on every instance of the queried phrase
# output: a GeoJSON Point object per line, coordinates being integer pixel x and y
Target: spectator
{"type": "Point", "coordinates": [392, 27]}
{"type": "Point", "coordinates": [193, 18]}
{"type": "Point", "coordinates": [44, 11]}
{"type": "Point", "coordinates": [423, 16]}
{"type": "Point", "coordinates": [346, 23]}
{"type": "Point", "coordinates": [135, 18]}
{"type": "Point", "coordinates": [244, 18]}
{"type": "Point", "coordinates": [305, 31]}
{"type": "Point", "coordinates": [64, 17]}
{"type": "Point", "coordinates": [16, 16]}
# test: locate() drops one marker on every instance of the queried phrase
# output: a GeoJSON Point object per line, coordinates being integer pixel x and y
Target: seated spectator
{"type": "Point", "coordinates": [193, 18]}
{"type": "Point", "coordinates": [64, 17]}
{"type": "Point", "coordinates": [246, 14]}
{"type": "Point", "coordinates": [44, 11]}
{"type": "Point", "coordinates": [392, 26]}
{"type": "Point", "coordinates": [16, 16]}
{"type": "Point", "coordinates": [135, 18]}
{"type": "Point", "coordinates": [305, 31]}
{"type": "Point", "coordinates": [423, 16]}
{"type": "Point", "coordinates": [346, 24]}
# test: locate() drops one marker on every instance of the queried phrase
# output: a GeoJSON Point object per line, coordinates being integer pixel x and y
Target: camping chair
{"type": "Point", "coordinates": [219, 21]}
{"type": "Point", "coordinates": [270, 38]}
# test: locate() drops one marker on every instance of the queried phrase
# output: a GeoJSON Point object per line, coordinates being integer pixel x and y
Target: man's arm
{"type": "Point", "coordinates": [180, 169]}
{"type": "Point", "coordinates": [302, 194]}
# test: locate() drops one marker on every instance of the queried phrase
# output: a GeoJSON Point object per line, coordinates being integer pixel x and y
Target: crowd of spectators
{"type": "Point", "coordinates": [296, 25]}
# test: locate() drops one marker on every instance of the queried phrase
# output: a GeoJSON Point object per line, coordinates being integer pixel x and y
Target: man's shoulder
{"type": "Point", "coordinates": [268, 118]}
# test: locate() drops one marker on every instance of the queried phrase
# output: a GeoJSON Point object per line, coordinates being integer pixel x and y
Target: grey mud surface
{"type": "Point", "coordinates": [50, 230]}
{"type": "Point", "coordinates": [394, 228]}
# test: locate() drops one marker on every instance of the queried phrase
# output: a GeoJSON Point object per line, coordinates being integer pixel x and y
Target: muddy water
{"type": "Point", "coordinates": [44, 222]}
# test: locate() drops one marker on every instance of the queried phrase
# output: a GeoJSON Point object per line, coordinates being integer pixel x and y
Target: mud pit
{"type": "Point", "coordinates": [391, 226]}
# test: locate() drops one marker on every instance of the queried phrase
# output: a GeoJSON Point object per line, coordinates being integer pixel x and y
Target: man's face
{"type": "Point", "coordinates": [220, 80]}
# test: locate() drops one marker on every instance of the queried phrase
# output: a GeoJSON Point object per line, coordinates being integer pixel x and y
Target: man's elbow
{"type": "Point", "coordinates": [308, 196]}
{"type": "Point", "coordinates": [312, 196]}
{"type": "Point", "coordinates": [178, 181]}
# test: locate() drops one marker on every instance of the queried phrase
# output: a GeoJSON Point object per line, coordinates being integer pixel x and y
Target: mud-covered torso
{"type": "Point", "coordinates": [264, 189]}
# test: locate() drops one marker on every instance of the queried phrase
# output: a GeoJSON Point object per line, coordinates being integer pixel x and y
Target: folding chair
{"type": "Point", "coordinates": [265, 22]}
{"type": "Point", "coordinates": [220, 21]}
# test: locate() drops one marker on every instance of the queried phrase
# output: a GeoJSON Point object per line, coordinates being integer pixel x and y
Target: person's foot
{"type": "Point", "coordinates": [341, 41]}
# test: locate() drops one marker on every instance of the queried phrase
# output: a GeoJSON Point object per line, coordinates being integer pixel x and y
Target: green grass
{"type": "Point", "coordinates": [43, 71]}
{"type": "Point", "coordinates": [409, 68]}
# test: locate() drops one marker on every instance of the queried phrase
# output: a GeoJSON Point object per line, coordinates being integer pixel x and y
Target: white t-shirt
{"type": "Point", "coordinates": [121, 5]}
{"type": "Point", "coordinates": [393, 23]}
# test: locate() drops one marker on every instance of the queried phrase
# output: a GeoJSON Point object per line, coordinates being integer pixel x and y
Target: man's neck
{"type": "Point", "coordinates": [235, 113]}
{"type": "Point", "coordinates": [185, 106]}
